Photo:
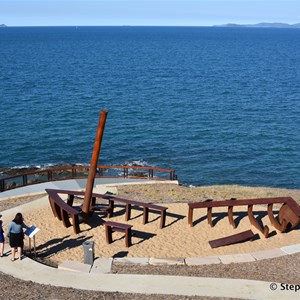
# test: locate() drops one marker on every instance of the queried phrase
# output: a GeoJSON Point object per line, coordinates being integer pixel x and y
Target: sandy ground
{"type": "Point", "coordinates": [177, 239]}
{"type": "Point", "coordinates": [56, 243]}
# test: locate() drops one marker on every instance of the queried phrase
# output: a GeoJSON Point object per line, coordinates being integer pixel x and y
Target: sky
{"type": "Point", "coordinates": [146, 12]}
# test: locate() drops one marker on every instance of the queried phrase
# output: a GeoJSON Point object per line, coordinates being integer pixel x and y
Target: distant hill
{"type": "Point", "coordinates": [263, 25]}
{"type": "Point", "coordinates": [3, 25]}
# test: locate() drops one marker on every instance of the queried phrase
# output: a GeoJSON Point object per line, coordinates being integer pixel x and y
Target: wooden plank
{"type": "Point", "coordinates": [232, 239]}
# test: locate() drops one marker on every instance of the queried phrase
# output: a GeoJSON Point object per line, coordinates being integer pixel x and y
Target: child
{"type": "Point", "coordinates": [1, 238]}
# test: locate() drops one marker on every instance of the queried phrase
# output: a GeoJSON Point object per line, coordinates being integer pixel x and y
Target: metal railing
{"type": "Point", "coordinates": [73, 172]}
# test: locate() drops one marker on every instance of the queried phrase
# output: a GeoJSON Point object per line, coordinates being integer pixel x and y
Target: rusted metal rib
{"type": "Point", "coordinates": [264, 230]}
{"type": "Point", "coordinates": [286, 213]}
{"type": "Point", "coordinates": [280, 227]}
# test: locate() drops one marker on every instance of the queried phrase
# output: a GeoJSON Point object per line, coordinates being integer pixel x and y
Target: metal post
{"type": "Point", "coordinates": [88, 248]}
{"type": "Point", "coordinates": [93, 167]}
{"type": "Point", "coordinates": [49, 175]}
{"type": "Point", "coordinates": [29, 246]}
{"type": "Point", "coordinates": [2, 185]}
{"type": "Point", "coordinates": [73, 172]}
{"type": "Point", "coordinates": [25, 179]}
{"type": "Point", "coordinates": [34, 248]}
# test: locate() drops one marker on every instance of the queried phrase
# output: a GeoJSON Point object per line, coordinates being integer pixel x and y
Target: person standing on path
{"type": "Point", "coordinates": [16, 235]}
{"type": "Point", "coordinates": [1, 238]}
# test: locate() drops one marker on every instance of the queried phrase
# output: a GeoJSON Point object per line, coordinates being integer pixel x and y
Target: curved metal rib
{"type": "Point", "coordinates": [230, 216]}
{"type": "Point", "coordinates": [289, 215]}
{"type": "Point", "coordinates": [281, 227]}
{"type": "Point", "coordinates": [265, 230]}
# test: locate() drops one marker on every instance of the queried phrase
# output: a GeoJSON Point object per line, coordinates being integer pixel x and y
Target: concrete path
{"type": "Point", "coordinates": [74, 184]}
{"type": "Point", "coordinates": [28, 269]}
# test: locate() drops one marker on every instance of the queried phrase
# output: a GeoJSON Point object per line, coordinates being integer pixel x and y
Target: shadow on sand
{"type": "Point", "coordinates": [59, 245]}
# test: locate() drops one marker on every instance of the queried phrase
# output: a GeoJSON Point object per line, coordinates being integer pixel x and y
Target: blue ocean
{"type": "Point", "coordinates": [218, 105]}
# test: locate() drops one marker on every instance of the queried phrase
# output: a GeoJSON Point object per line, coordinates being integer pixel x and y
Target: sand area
{"type": "Point", "coordinates": [56, 243]}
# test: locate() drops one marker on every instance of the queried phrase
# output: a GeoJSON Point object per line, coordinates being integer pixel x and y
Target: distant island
{"type": "Point", "coordinates": [3, 25]}
{"type": "Point", "coordinates": [262, 25]}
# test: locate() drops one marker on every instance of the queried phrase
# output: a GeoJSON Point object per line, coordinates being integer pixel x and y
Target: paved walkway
{"type": "Point", "coordinates": [72, 184]}
{"type": "Point", "coordinates": [28, 269]}
{"type": "Point", "coordinates": [98, 277]}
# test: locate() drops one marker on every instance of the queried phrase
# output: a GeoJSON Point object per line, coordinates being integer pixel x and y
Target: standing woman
{"type": "Point", "coordinates": [1, 238]}
{"type": "Point", "coordinates": [16, 236]}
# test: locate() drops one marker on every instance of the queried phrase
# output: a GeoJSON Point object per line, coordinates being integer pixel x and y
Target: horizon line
{"type": "Point", "coordinates": [3, 25]}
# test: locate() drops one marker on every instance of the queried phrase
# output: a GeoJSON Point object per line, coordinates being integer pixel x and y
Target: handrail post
{"type": "Point", "coordinates": [150, 173]}
{"type": "Point", "coordinates": [2, 185]}
{"type": "Point", "coordinates": [50, 175]}
{"type": "Point", "coordinates": [73, 172]}
{"type": "Point", "coordinates": [100, 171]}
{"type": "Point", "coordinates": [173, 175]}
{"type": "Point", "coordinates": [24, 179]}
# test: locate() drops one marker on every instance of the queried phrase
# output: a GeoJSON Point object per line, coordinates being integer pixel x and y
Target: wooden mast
{"type": "Point", "coordinates": [93, 167]}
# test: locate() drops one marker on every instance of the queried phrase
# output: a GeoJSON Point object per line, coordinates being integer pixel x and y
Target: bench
{"type": "Point", "coordinates": [110, 227]}
{"type": "Point", "coordinates": [109, 210]}
{"type": "Point", "coordinates": [232, 239]}
{"type": "Point", "coordinates": [288, 214]}
{"type": "Point", "coordinates": [63, 212]}
{"type": "Point", "coordinates": [93, 206]}
{"type": "Point", "coordinates": [146, 207]}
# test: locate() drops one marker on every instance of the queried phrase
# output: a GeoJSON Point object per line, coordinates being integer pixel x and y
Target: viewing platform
{"type": "Point", "coordinates": [75, 178]}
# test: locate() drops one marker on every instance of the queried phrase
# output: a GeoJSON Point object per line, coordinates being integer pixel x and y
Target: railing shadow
{"type": "Point", "coordinates": [120, 254]}
{"type": "Point", "coordinates": [61, 246]}
{"type": "Point", "coordinates": [177, 217]}
{"type": "Point", "coordinates": [52, 242]}
{"type": "Point", "coordinates": [142, 235]}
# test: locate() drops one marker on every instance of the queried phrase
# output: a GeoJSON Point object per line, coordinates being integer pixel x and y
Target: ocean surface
{"type": "Point", "coordinates": [218, 105]}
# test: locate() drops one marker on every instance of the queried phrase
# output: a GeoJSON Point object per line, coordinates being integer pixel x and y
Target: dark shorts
{"type": "Point", "coordinates": [1, 237]}
{"type": "Point", "coordinates": [16, 240]}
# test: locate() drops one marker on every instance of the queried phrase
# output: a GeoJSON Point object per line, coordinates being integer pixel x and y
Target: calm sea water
{"type": "Point", "coordinates": [218, 105]}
